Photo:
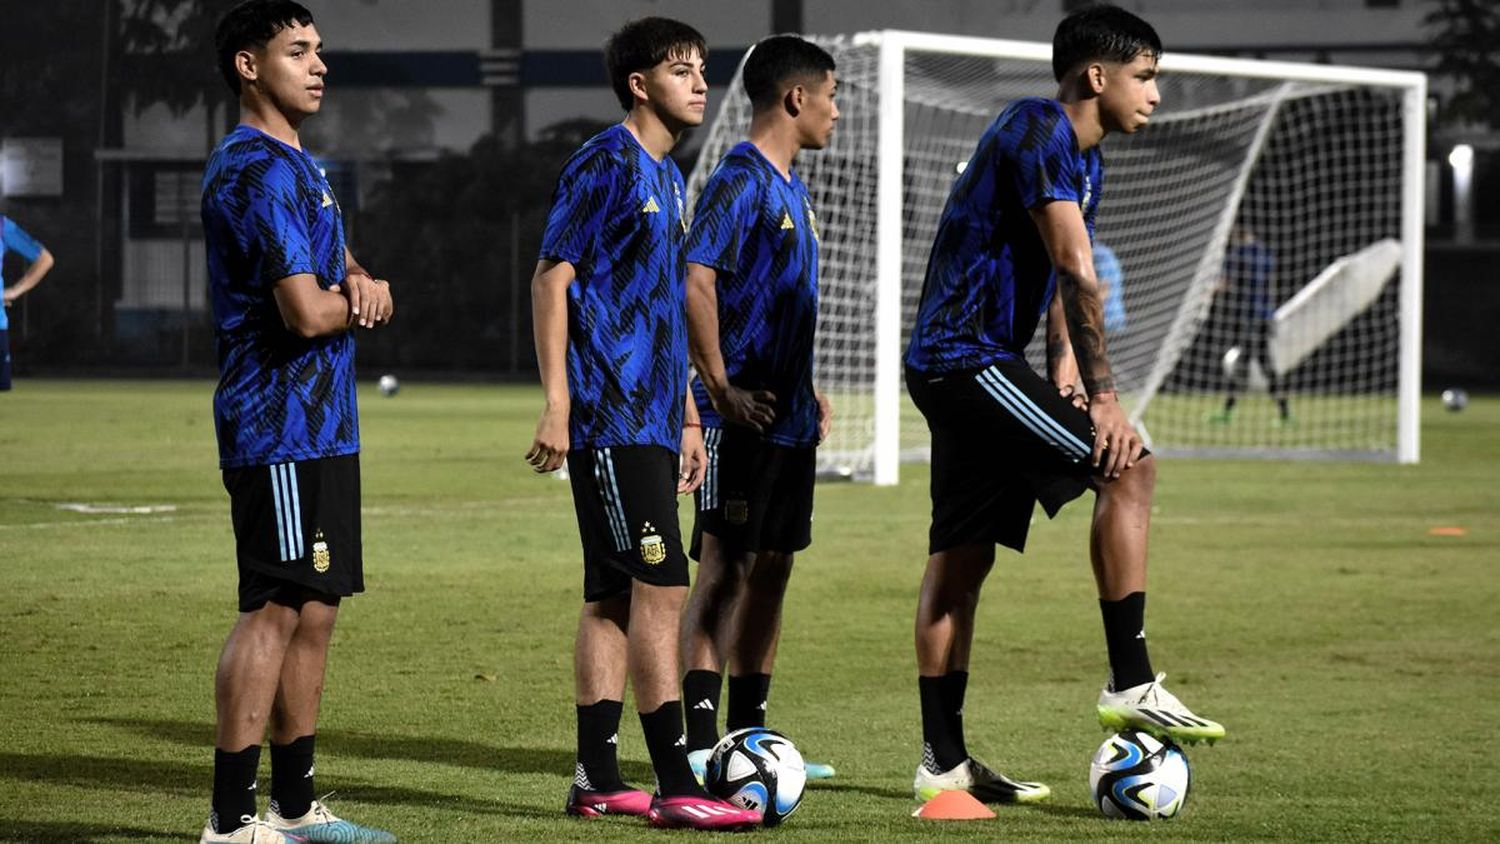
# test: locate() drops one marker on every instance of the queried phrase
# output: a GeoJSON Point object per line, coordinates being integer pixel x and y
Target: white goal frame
{"type": "Point", "coordinates": [893, 46]}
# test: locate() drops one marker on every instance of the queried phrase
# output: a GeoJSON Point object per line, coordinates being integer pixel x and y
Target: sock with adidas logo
{"type": "Point", "coordinates": [700, 699]}
{"type": "Point", "coordinates": [747, 701]}
{"type": "Point", "coordinates": [1125, 636]}
{"type": "Point", "coordinates": [292, 777]}
{"type": "Point", "coordinates": [598, 747]}
{"type": "Point", "coordinates": [234, 786]}
{"type": "Point", "coordinates": [667, 744]}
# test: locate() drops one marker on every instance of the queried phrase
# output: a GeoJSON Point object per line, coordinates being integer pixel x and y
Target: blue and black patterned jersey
{"type": "Point", "coordinates": [617, 217]}
{"type": "Point", "coordinates": [757, 230]}
{"type": "Point", "coordinates": [989, 278]}
{"type": "Point", "coordinates": [13, 238]}
{"type": "Point", "coordinates": [269, 213]}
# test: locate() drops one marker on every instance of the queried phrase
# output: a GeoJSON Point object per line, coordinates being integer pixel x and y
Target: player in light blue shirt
{"type": "Point", "coordinates": [39, 261]}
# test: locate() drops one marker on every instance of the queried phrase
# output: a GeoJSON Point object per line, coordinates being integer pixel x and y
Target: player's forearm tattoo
{"type": "Point", "coordinates": [1085, 317]}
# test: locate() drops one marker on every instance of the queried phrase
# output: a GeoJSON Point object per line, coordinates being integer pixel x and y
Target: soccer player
{"type": "Point", "coordinates": [13, 238]}
{"type": "Point", "coordinates": [611, 342]}
{"type": "Point", "coordinates": [286, 295]}
{"type": "Point", "coordinates": [752, 311]}
{"type": "Point", "coordinates": [1248, 267]}
{"type": "Point", "coordinates": [1013, 241]}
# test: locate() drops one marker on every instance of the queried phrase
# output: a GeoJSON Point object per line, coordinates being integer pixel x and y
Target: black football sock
{"type": "Point", "coordinates": [234, 787]}
{"type": "Point", "coordinates": [955, 686]}
{"type": "Point", "coordinates": [598, 766]}
{"type": "Point", "coordinates": [942, 749]}
{"type": "Point", "coordinates": [747, 701]}
{"type": "Point", "coordinates": [700, 701]}
{"type": "Point", "coordinates": [1125, 636]}
{"type": "Point", "coordinates": [1229, 405]}
{"type": "Point", "coordinates": [292, 777]}
{"type": "Point", "coordinates": [667, 744]}
{"type": "Point", "coordinates": [1286, 410]}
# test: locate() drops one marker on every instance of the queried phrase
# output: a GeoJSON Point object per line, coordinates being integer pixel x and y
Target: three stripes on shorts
{"type": "Point", "coordinates": [284, 498]}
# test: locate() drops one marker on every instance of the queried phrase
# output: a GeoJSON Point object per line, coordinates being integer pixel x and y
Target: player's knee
{"type": "Point", "coordinates": [1137, 485]}
{"type": "Point", "coordinates": [770, 573]}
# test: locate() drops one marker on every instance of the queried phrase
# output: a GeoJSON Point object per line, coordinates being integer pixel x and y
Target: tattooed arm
{"type": "Point", "coordinates": [1117, 445]}
{"type": "Point", "coordinates": [1062, 366]}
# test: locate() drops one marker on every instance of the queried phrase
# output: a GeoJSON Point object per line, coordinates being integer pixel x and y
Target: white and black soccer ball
{"type": "Point", "coordinates": [1137, 776]}
{"type": "Point", "coordinates": [757, 769]}
{"type": "Point", "coordinates": [389, 385]}
{"type": "Point", "coordinates": [1455, 399]}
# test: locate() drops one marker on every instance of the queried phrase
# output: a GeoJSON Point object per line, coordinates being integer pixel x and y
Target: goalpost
{"type": "Point", "coordinates": [1324, 164]}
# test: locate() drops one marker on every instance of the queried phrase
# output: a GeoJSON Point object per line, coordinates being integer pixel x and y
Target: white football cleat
{"type": "Point", "coordinates": [1152, 709]}
{"type": "Point", "coordinates": [978, 779]}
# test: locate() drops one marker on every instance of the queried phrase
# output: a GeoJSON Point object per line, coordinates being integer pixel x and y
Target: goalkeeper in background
{"type": "Point", "coordinates": [752, 310]}
{"type": "Point", "coordinates": [1016, 230]}
{"type": "Point", "coordinates": [1249, 266]}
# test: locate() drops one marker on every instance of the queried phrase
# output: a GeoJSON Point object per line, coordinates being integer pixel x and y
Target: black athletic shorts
{"type": "Point", "coordinates": [296, 531]}
{"type": "Point", "coordinates": [756, 495]}
{"type": "Point", "coordinates": [1002, 440]}
{"type": "Point", "coordinates": [4, 359]}
{"type": "Point", "coordinates": [626, 499]}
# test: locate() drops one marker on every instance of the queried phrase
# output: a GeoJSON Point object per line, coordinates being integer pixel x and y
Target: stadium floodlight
{"type": "Point", "coordinates": [1324, 162]}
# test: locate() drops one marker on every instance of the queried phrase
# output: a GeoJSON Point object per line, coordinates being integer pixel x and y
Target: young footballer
{"type": "Point", "coordinates": [611, 340]}
{"type": "Point", "coordinates": [752, 310]}
{"type": "Point", "coordinates": [39, 262]}
{"type": "Point", "coordinates": [286, 297]}
{"type": "Point", "coordinates": [1013, 242]}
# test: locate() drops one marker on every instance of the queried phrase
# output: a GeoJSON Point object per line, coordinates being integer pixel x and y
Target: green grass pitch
{"type": "Point", "coordinates": [1351, 654]}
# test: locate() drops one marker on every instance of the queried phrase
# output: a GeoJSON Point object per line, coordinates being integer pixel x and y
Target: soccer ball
{"type": "Point", "coordinates": [1455, 399]}
{"type": "Point", "coordinates": [389, 385]}
{"type": "Point", "coordinates": [1231, 362]}
{"type": "Point", "coordinates": [757, 769]}
{"type": "Point", "coordinates": [1137, 776]}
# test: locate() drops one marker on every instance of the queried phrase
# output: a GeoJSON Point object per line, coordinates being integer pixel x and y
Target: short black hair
{"type": "Point", "coordinates": [643, 44]}
{"type": "Point", "coordinates": [778, 59]}
{"type": "Point", "coordinates": [1101, 32]}
{"type": "Point", "coordinates": [252, 24]}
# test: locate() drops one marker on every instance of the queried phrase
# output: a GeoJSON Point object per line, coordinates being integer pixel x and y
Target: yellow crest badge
{"type": "Point", "coordinates": [737, 511]}
{"type": "Point", "coordinates": [653, 547]}
{"type": "Point", "coordinates": [321, 559]}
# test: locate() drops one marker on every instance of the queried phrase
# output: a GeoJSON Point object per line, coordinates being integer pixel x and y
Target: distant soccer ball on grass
{"type": "Point", "coordinates": [1455, 399]}
{"type": "Point", "coordinates": [758, 769]}
{"type": "Point", "coordinates": [389, 385]}
{"type": "Point", "coordinates": [1137, 776]}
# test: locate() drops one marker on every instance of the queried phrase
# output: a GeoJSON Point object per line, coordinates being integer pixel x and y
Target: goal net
{"type": "Point", "coordinates": [1318, 166]}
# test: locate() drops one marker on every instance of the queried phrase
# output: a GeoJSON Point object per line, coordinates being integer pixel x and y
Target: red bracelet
{"type": "Point", "coordinates": [692, 425]}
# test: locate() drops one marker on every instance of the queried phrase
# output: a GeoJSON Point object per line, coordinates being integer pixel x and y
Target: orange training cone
{"type": "Point", "coordinates": [953, 806]}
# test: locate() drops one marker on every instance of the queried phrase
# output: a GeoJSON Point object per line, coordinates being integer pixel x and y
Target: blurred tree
{"type": "Point", "coordinates": [167, 53]}
{"type": "Point", "coordinates": [1465, 35]}
{"type": "Point", "coordinates": [458, 239]}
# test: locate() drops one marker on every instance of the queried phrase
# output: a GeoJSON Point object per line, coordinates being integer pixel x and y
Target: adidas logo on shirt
{"type": "Point", "coordinates": [651, 207]}
{"type": "Point", "coordinates": [786, 221]}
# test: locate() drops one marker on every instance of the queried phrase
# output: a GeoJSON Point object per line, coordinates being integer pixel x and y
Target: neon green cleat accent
{"type": "Point", "coordinates": [1150, 708]}
{"type": "Point", "coordinates": [975, 777]}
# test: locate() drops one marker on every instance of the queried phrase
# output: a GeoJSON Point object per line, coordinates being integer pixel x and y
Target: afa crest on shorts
{"type": "Point", "coordinates": [736, 511]}
{"type": "Point", "coordinates": [653, 547]}
{"type": "Point", "coordinates": [321, 559]}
